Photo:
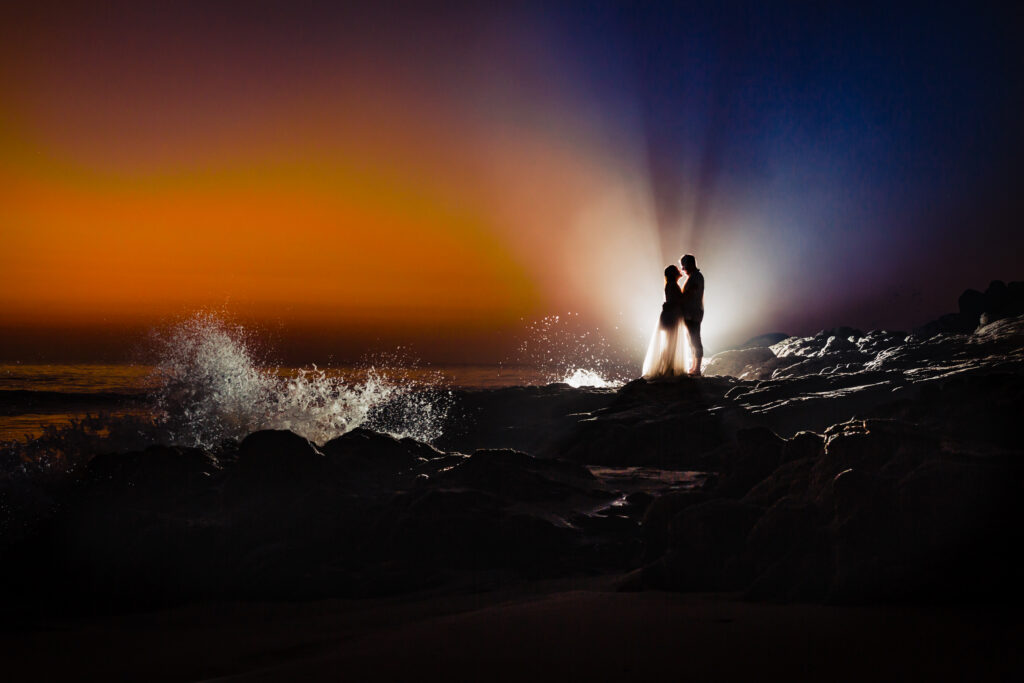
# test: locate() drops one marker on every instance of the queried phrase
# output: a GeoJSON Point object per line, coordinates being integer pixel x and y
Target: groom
{"type": "Point", "coordinates": [693, 308]}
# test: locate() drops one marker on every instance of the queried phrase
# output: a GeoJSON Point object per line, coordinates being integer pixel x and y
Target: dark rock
{"type": "Point", "coordinates": [758, 453]}
{"type": "Point", "coordinates": [532, 419]}
{"type": "Point", "coordinates": [869, 446]}
{"type": "Point", "coordinates": [158, 471]}
{"type": "Point", "coordinates": [788, 526]}
{"type": "Point", "coordinates": [437, 524]}
{"type": "Point", "coordinates": [790, 479]}
{"type": "Point", "coordinates": [788, 553]}
{"type": "Point", "coordinates": [999, 301]}
{"type": "Point", "coordinates": [667, 425]}
{"type": "Point", "coordinates": [639, 501]}
{"type": "Point", "coordinates": [951, 323]}
{"type": "Point", "coordinates": [803, 445]}
{"type": "Point", "coordinates": [911, 493]}
{"type": "Point", "coordinates": [972, 303]}
{"type": "Point", "coordinates": [959, 526]}
{"type": "Point", "coordinates": [1002, 301]}
{"type": "Point", "coordinates": [798, 577]}
{"type": "Point", "coordinates": [469, 529]}
{"type": "Point", "coordinates": [706, 542]}
{"type": "Point", "coordinates": [997, 296]}
{"type": "Point", "coordinates": [276, 456]}
{"type": "Point", "coordinates": [983, 408]}
{"type": "Point", "coordinates": [751, 363]}
{"type": "Point", "coordinates": [656, 520]}
{"type": "Point", "coordinates": [518, 476]}
{"type": "Point", "coordinates": [139, 526]}
{"type": "Point", "coordinates": [632, 507]}
{"type": "Point", "coordinates": [377, 449]}
{"type": "Point", "coordinates": [859, 444]}
{"type": "Point", "coordinates": [1015, 290]}
{"type": "Point", "coordinates": [363, 459]}
{"type": "Point", "coordinates": [24, 507]}
{"type": "Point", "coordinates": [864, 536]}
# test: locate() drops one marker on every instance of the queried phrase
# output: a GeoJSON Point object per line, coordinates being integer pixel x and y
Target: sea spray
{"type": "Point", "coordinates": [209, 387]}
{"type": "Point", "coordinates": [564, 349]}
{"type": "Point", "coordinates": [589, 378]}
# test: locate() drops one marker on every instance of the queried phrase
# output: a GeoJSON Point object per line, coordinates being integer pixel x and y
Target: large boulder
{"type": "Point", "coordinates": [997, 297]}
{"type": "Point", "coordinates": [972, 303]}
{"type": "Point", "coordinates": [362, 460]}
{"type": "Point", "coordinates": [277, 456]}
{"type": "Point", "coordinates": [997, 302]}
{"type": "Point", "coordinates": [1002, 301]}
{"type": "Point", "coordinates": [951, 323]}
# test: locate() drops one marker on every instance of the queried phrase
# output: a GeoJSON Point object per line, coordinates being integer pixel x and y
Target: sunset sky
{"type": "Point", "coordinates": [353, 179]}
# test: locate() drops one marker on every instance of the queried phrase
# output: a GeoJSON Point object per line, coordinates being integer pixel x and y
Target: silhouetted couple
{"type": "Point", "coordinates": [675, 347]}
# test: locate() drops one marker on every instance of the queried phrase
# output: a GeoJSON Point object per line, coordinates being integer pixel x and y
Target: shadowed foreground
{"type": "Point", "coordinates": [565, 630]}
{"type": "Point", "coordinates": [871, 482]}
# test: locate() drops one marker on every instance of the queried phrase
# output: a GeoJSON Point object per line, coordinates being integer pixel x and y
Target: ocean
{"type": "Point", "coordinates": [207, 385]}
{"type": "Point", "coordinates": [35, 396]}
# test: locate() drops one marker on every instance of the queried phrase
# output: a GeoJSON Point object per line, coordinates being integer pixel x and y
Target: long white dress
{"type": "Point", "coordinates": [668, 354]}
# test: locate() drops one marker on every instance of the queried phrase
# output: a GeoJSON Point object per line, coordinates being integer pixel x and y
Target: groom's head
{"type": "Point", "coordinates": [688, 263]}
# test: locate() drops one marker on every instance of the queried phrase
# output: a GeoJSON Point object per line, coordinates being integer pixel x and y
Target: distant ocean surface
{"type": "Point", "coordinates": [34, 396]}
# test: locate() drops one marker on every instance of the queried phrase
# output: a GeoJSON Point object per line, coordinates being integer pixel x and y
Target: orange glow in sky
{"type": "Point", "coordinates": [135, 190]}
{"type": "Point", "coordinates": [282, 240]}
{"type": "Point", "coordinates": [141, 181]}
{"type": "Point", "coordinates": [442, 187]}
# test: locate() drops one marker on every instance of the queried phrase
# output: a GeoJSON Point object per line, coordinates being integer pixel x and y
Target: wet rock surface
{"type": "Point", "coordinates": [847, 467]}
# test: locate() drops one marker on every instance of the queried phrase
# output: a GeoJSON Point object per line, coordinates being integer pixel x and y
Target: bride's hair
{"type": "Point", "coordinates": [672, 273]}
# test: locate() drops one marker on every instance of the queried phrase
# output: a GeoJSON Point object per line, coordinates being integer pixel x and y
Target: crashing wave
{"type": "Point", "coordinates": [566, 350]}
{"type": "Point", "coordinates": [581, 377]}
{"type": "Point", "coordinates": [208, 387]}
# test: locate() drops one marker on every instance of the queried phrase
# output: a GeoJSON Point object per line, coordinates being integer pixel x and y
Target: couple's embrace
{"type": "Point", "coordinates": [675, 347]}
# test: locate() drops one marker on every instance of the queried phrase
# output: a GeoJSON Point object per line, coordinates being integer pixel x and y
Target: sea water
{"type": "Point", "coordinates": [207, 385]}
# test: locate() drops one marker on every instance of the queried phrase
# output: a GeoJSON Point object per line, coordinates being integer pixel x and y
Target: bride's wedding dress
{"type": "Point", "coordinates": [667, 354]}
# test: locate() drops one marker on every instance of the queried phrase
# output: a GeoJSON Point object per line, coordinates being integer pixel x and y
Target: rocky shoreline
{"type": "Point", "coordinates": [864, 468]}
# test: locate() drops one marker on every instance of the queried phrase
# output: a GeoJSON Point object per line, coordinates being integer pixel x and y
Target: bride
{"type": "Point", "coordinates": [667, 354]}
